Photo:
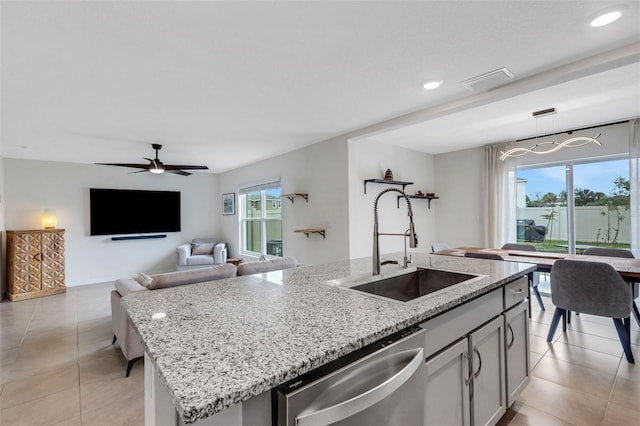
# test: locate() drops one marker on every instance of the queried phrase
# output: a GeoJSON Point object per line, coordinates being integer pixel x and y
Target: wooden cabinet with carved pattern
{"type": "Point", "coordinates": [35, 263]}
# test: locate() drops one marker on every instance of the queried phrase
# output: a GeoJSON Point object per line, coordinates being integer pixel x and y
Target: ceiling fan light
{"type": "Point", "coordinates": [156, 171]}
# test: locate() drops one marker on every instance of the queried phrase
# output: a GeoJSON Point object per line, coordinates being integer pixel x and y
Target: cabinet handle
{"type": "Point", "coordinates": [468, 380]}
{"type": "Point", "coordinates": [513, 336]}
{"type": "Point", "coordinates": [477, 352]}
{"type": "Point", "coordinates": [518, 291]}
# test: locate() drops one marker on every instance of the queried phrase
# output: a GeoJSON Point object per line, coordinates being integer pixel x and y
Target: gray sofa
{"type": "Point", "coordinates": [201, 252]}
{"type": "Point", "coordinates": [123, 331]}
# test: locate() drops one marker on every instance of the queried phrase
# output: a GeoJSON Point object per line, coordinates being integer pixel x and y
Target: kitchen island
{"type": "Point", "coordinates": [210, 347]}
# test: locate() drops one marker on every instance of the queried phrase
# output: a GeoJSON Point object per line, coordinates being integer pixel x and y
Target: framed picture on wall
{"type": "Point", "coordinates": [229, 203]}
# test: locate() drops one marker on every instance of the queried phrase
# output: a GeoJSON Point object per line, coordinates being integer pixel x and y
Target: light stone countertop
{"type": "Point", "coordinates": [223, 342]}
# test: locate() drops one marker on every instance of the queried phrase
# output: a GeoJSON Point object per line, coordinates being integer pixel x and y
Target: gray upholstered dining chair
{"type": "Point", "coordinates": [616, 252]}
{"type": "Point", "coordinates": [534, 280]}
{"type": "Point", "coordinates": [436, 247]}
{"type": "Point", "coordinates": [593, 288]}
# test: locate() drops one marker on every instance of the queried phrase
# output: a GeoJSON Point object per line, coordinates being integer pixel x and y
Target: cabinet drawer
{"type": "Point", "coordinates": [515, 292]}
{"type": "Point", "coordinates": [454, 324]}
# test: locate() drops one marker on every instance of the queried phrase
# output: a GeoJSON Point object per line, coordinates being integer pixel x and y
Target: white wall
{"type": "Point", "coordinates": [319, 170]}
{"type": "Point", "coordinates": [370, 160]}
{"type": "Point", "coordinates": [461, 208]}
{"type": "Point", "coordinates": [31, 186]}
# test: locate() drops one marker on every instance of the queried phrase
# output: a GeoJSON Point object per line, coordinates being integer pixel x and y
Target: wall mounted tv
{"type": "Point", "coordinates": [128, 211]}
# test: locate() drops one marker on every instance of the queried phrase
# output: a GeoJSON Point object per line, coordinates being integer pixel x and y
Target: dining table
{"type": "Point", "coordinates": [628, 268]}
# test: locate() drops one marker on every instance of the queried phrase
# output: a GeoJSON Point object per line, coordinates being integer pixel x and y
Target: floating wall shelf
{"type": "Point", "coordinates": [312, 231]}
{"type": "Point", "coordinates": [385, 181]}
{"type": "Point", "coordinates": [419, 197]}
{"type": "Point", "coordinates": [296, 194]}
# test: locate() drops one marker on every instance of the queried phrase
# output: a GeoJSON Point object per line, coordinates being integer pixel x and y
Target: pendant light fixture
{"type": "Point", "coordinates": [551, 146]}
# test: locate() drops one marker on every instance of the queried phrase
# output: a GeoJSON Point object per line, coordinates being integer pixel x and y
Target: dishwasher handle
{"type": "Point", "coordinates": [345, 409]}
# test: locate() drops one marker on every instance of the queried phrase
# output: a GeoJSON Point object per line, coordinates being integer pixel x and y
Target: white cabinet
{"type": "Point", "coordinates": [486, 350]}
{"type": "Point", "coordinates": [447, 400]}
{"type": "Point", "coordinates": [517, 350]}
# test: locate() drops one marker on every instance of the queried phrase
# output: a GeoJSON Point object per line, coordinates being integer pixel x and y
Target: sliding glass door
{"type": "Point", "coordinates": [595, 214]}
{"type": "Point", "coordinates": [542, 208]}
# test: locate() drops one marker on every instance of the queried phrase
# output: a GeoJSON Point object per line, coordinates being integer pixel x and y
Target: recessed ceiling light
{"type": "Point", "coordinates": [606, 18]}
{"type": "Point", "coordinates": [430, 85]}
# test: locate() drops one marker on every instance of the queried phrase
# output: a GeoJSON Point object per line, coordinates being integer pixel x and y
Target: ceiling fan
{"type": "Point", "coordinates": [157, 167]}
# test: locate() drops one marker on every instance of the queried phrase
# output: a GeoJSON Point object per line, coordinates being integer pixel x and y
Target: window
{"type": "Point", "coordinates": [261, 219]}
{"type": "Point", "coordinates": [598, 214]}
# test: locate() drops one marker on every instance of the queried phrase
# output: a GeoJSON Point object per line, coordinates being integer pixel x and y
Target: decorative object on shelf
{"type": "Point", "coordinates": [229, 203]}
{"type": "Point", "coordinates": [296, 194]}
{"type": "Point", "coordinates": [157, 167]}
{"type": "Point", "coordinates": [540, 147]}
{"type": "Point", "coordinates": [312, 231]}
{"type": "Point", "coordinates": [419, 194]}
{"type": "Point", "coordinates": [49, 219]}
{"type": "Point", "coordinates": [388, 175]}
{"type": "Point", "coordinates": [387, 182]}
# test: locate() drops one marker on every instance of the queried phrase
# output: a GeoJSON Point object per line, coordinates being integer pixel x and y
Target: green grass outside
{"type": "Point", "coordinates": [550, 245]}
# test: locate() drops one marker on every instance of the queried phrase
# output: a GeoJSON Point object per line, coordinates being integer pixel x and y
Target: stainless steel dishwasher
{"type": "Point", "coordinates": [382, 384]}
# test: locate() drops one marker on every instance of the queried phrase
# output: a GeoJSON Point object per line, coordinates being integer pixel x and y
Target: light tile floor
{"type": "Point", "coordinates": [58, 367]}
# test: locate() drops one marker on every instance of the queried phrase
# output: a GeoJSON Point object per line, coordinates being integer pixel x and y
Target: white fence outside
{"type": "Point", "coordinates": [592, 222]}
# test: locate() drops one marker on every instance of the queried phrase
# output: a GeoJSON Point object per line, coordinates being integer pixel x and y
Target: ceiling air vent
{"type": "Point", "coordinates": [489, 80]}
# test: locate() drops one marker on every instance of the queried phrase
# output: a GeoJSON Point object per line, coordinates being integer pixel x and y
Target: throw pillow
{"type": "Point", "coordinates": [202, 248]}
{"type": "Point", "coordinates": [144, 280]}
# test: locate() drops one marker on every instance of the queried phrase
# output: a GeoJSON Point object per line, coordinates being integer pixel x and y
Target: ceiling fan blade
{"type": "Point", "coordinates": [179, 172]}
{"type": "Point", "coordinates": [156, 166]}
{"type": "Point", "coordinates": [183, 167]}
{"type": "Point", "coordinates": [137, 166]}
{"type": "Point", "coordinates": [139, 171]}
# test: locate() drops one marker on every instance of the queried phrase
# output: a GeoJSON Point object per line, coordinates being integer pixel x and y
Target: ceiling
{"type": "Point", "coordinates": [226, 84]}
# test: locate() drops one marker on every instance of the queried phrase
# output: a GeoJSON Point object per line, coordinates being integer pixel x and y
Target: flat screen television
{"type": "Point", "coordinates": [129, 211]}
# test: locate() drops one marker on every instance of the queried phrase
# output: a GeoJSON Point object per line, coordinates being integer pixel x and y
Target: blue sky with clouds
{"type": "Point", "coordinates": [597, 177]}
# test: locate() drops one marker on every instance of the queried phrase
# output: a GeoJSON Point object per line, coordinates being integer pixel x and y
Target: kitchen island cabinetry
{"type": "Point", "coordinates": [219, 348]}
{"type": "Point", "coordinates": [475, 373]}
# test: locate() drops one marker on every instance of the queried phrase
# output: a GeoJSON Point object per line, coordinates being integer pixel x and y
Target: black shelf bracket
{"type": "Point", "coordinates": [419, 198]}
{"type": "Point", "coordinates": [291, 197]}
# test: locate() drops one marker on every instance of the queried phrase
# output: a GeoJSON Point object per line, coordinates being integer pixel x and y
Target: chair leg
{"type": "Point", "coordinates": [130, 364]}
{"type": "Point", "coordinates": [537, 293]}
{"type": "Point", "coordinates": [568, 321]}
{"type": "Point", "coordinates": [624, 334]}
{"type": "Point", "coordinates": [113, 342]}
{"type": "Point", "coordinates": [636, 313]}
{"type": "Point", "coordinates": [554, 323]}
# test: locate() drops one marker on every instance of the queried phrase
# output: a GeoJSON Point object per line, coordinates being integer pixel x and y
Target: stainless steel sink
{"type": "Point", "coordinates": [406, 285]}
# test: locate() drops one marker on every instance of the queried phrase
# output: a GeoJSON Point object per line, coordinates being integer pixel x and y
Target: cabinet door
{"type": "Point", "coordinates": [24, 262]}
{"type": "Point", "coordinates": [447, 391]}
{"type": "Point", "coordinates": [486, 349]}
{"type": "Point", "coordinates": [517, 350]}
{"type": "Point", "coordinates": [52, 260]}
